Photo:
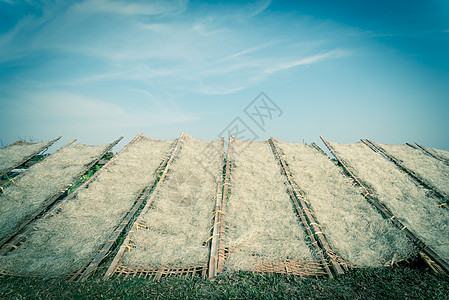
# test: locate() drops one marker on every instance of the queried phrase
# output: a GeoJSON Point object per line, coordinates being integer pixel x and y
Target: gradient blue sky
{"type": "Point", "coordinates": [98, 69]}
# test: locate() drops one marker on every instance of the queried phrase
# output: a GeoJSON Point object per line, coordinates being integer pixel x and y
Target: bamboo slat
{"type": "Point", "coordinates": [213, 258]}
{"type": "Point", "coordinates": [316, 147]}
{"type": "Point", "coordinates": [411, 146]}
{"type": "Point", "coordinates": [222, 251]}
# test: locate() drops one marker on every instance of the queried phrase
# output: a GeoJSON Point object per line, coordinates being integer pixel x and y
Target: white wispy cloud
{"type": "Point", "coordinates": [153, 7]}
{"type": "Point", "coordinates": [258, 7]}
{"type": "Point", "coordinates": [247, 51]}
{"type": "Point", "coordinates": [305, 61]}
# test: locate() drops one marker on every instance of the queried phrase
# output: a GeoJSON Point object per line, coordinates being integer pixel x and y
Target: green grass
{"type": "Point", "coordinates": [402, 282]}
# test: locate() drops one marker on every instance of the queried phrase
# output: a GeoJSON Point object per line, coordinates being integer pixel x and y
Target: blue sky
{"type": "Point", "coordinates": [98, 69]}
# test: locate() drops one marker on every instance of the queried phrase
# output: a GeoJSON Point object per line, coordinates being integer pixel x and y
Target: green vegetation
{"type": "Point", "coordinates": [90, 172]}
{"type": "Point", "coordinates": [40, 157]}
{"type": "Point", "coordinates": [404, 282]}
{"type": "Point", "coordinates": [84, 178]}
{"type": "Point", "coordinates": [108, 156]}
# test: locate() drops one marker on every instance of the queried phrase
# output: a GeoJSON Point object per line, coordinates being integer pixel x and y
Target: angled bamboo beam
{"type": "Point", "coordinates": [316, 147]}
{"type": "Point", "coordinates": [309, 222]}
{"type": "Point", "coordinates": [10, 241]}
{"type": "Point", "coordinates": [441, 197]}
{"type": "Point", "coordinates": [387, 214]}
{"type": "Point", "coordinates": [123, 248]}
{"type": "Point", "coordinates": [411, 146]}
{"type": "Point", "coordinates": [433, 154]}
{"type": "Point", "coordinates": [226, 188]}
{"type": "Point", "coordinates": [27, 158]}
{"type": "Point", "coordinates": [345, 166]}
{"type": "Point", "coordinates": [213, 258]}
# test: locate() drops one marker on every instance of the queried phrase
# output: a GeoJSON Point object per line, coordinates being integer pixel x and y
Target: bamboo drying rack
{"type": "Point", "coordinates": [439, 195]}
{"type": "Point", "coordinates": [27, 158]}
{"type": "Point", "coordinates": [434, 261]}
{"type": "Point", "coordinates": [13, 239]}
{"type": "Point", "coordinates": [288, 266]}
{"type": "Point", "coordinates": [310, 223]}
{"type": "Point", "coordinates": [140, 199]}
{"type": "Point", "coordinates": [157, 272]}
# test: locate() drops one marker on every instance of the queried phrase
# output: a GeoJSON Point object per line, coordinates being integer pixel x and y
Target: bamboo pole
{"type": "Point", "coordinates": [123, 248]}
{"type": "Point", "coordinates": [226, 187]}
{"type": "Point", "coordinates": [318, 148]}
{"type": "Point", "coordinates": [311, 224]}
{"type": "Point", "coordinates": [387, 214]}
{"type": "Point", "coordinates": [213, 258]}
{"type": "Point", "coordinates": [411, 146]}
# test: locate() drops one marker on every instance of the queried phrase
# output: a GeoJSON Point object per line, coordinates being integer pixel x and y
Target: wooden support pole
{"type": "Point", "coordinates": [411, 146]}
{"type": "Point", "coordinates": [226, 188]}
{"type": "Point", "coordinates": [213, 257]}
{"type": "Point", "coordinates": [318, 149]}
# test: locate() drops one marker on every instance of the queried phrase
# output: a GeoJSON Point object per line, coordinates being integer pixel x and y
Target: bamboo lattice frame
{"type": "Point", "coordinates": [162, 271]}
{"type": "Point", "coordinates": [217, 214]}
{"type": "Point", "coordinates": [222, 252]}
